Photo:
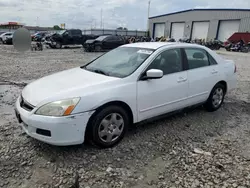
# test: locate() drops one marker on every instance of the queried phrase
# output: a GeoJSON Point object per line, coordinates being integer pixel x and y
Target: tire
{"type": "Point", "coordinates": [98, 48]}
{"type": "Point", "coordinates": [216, 98]}
{"type": "Point", "coordinates": [96, 133]}
{"type": "Point", "coordinates": [58, 45]}
{"type": "Point", "coordinates": [1, 41]}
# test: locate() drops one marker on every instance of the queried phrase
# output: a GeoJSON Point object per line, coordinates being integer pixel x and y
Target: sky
{"type": "Point", "coordinates": [84, 14]}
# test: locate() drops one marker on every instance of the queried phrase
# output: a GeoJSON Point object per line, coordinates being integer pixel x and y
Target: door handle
{"type": "Point", "coordinates": [214, 71]}
{"type": "Point", "coordinates": [181, 80]}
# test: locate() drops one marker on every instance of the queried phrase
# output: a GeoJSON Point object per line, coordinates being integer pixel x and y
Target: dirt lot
{"type": "Point", "coordinates": [193, 149]}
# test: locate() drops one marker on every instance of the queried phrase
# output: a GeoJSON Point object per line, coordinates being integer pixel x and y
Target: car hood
{"type": "Point", "coordinates": [63, 85]}
{"type": "Point", "coordinates": [90, 41]}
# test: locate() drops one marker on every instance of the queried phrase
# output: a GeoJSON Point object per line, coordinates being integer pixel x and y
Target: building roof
{"type": "Point", "coordinates": [12, 23]}
{"type": "Point", "coordinates": [38, 28]}
{"type": "Point", "coordinates": [189, 10]}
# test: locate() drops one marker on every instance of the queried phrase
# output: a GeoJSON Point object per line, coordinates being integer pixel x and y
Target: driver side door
{"type": "Point", "coordinates": [67, 39]}
{"type": "Point", "coordinates": [169, 93]}
{"type": "Point", "coordinates": [108, 43]}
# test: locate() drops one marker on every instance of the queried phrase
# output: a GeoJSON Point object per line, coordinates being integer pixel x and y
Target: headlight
{"type": "Point", "coordinates": [58, 108]}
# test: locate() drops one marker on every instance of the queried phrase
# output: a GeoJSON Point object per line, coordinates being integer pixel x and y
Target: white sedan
{"type": "Point", "coordinates": [132, 83]}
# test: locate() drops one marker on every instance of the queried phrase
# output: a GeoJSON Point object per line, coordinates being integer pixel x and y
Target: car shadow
{"type": "Point", "coordinates": [174, 127]}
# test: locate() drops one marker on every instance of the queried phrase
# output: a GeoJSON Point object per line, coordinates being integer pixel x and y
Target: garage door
{"type": "Point", "coordinates": [159, 30]}
{"type": "Point", "coordinates": [177, 31]}
{"type": "Point", "coordinates": [227, 28]}
{"type": "Point", "coordinates": [200, 30]}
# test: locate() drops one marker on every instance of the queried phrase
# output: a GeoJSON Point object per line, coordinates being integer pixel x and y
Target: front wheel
{"type": "Point", "coordinates": [108, 126]}
{"type": "Point", "coordinates": [58, 45]}
{"type": "Point", "coordinates": [98, 48]}
{"type": "Point", "coordinates": [216, 98]}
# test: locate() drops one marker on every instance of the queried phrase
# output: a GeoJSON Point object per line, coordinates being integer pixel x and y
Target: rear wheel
{"type": "Point", "coordinates": [216, 98]}
{"type": "Point", "coordinates": [108, 126]}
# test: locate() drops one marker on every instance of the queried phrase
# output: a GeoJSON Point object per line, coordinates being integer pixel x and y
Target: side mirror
{"type": "Point", "coordinates": [153, 74]}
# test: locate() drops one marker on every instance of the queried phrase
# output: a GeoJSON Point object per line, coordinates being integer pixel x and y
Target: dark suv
{"type": "Point", "coordinates": [67, 37]}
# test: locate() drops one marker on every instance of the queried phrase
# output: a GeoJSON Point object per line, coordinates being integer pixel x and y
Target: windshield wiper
{"type": "Point", "coordinates": [100, 72]}
{"type": "Point", "coordinates": [96, 71]}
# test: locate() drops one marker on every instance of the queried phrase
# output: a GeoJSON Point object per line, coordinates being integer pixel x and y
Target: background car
{"type": "Point", "coordinates": [3, 36]}
{"type": "Point", "coordinates": [66, 38]}
{"type": "Point", "coordinates": [38, 36]}
{"type": "Point", "coordinates": [8, 40]}
{"type": "Point", "coordinates": [106, 42]}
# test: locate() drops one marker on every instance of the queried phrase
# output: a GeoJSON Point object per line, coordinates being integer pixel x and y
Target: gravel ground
{"type": "Point", "coordinates": [191, 149]}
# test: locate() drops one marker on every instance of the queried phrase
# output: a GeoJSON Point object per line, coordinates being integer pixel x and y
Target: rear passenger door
{"type": "Point", "coordinates": [77, 36]}
{"type": "Point", "coordinates": [203, 74]}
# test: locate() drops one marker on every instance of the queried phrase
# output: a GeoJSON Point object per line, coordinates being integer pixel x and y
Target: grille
{"type": "Point", "coordinates": [25, 105]}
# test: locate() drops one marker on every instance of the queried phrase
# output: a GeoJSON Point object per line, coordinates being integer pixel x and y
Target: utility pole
{"type": "Point", "coordinates": [148, 15]}
{"type": "Point", "coordinates": [101, 19]}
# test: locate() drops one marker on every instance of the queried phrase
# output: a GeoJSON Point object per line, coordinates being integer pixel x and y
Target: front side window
{"type": "Point", "coordinates": [120, 62]}
{"type": "Point", "coordinates": [61, 32]}
{"type": "Point", "coordinates": [169, 61]}
{"type": "Point", "coordinates": [101, 38]}
{"type": "Point", "coordinates": [196, 58]}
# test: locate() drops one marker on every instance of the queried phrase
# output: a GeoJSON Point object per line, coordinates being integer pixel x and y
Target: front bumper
{"type": "Point", "coordinates": [60, 131]}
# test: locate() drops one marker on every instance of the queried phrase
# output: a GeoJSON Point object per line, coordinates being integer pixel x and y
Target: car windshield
{"type": "Point", "coordinates": [120, 62]}
{"type": "Point", "coordinates": [101, 38]}
{"type": "Point", "coordinates": [60, 32]}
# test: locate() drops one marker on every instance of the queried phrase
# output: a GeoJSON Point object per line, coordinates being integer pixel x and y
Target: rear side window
{"type": "Point", "coordinates": [76, 32]}
{"type": "Point", "coordinates": [196, 58]}
{"type": "Point", "coordinates": [113, 38]}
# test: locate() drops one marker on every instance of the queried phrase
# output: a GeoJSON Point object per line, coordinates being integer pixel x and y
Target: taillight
{"type": "Point", "coordinates": [235, 69]}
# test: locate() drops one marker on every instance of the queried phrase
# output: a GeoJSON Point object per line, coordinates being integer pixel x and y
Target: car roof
{"type": "Point", "coordinates": [6, 33]}
{"type": "Point", "coordinates": [156, 45]}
